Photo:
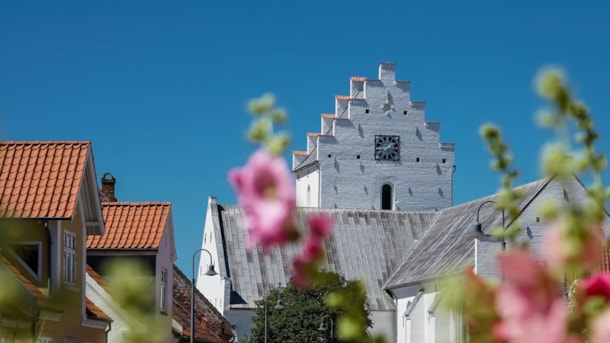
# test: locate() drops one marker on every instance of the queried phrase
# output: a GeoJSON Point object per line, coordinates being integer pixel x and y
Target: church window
{"type": "Point", "coordinates": [308, 196]}
{"type": "Point", "coordinates": [404, 112]}
{"type": "Point", "coordinates": [357, 157]}
{"type": "Point", "coordinates": [386, 197]}
{"type": "Point", "coordinates": [366, 111]}
{"type": "Point", "coordinates": [417, 159]}
{"type": "Point", "coordinates": [329, 155]}
{"type": "Point", "coordinates": [444, 160]}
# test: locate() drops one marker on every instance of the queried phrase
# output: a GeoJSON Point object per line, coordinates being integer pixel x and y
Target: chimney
{"type": "Point", "coordinates": [108, 182]}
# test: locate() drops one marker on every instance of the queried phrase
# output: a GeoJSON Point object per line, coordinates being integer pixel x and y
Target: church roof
{"type": "Point", "coordinates": [366, 244]}
{"type": "Point", "coordinates": [448, 246]}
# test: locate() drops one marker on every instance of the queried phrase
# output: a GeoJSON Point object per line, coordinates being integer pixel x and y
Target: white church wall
{"type": "Point", "coordinates": [563, 193]}
{"type": "Point", "coordinates": [242, 320]}
{"type": "Point", "coordinates": [212, 287]}
{"type": "Point", "coordinates": [384, 324]}
{"type": "Point", "coordinates": [351, 177]}
{"type": "Point", "coordinates": [308, 188]}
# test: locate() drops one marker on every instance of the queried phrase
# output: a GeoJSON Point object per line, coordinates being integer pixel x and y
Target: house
{"type": "Point", "coordinates": [139, 232]}
{"type": "Point", "coordinates": [49, 207]}
{"type": "Point", "coordinates": [210, 325]}
{"type": "Point", "coordinates": [380, 171]}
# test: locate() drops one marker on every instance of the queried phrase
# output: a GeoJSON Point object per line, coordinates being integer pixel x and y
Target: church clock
{"type": "Point", "coordinates": [387, 148]}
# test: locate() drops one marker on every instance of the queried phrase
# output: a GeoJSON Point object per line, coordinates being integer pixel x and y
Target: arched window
{"type": "Point", "coordinates": [308, 196]}
{"type": "Point", "coordinates": [386, 197]}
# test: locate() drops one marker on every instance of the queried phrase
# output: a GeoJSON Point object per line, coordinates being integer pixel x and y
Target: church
{"type": "Point", "coordinates": [383, 175]}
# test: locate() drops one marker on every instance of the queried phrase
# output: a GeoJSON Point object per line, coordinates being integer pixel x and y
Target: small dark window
{"type": "Point", "coordinates": [417, 159]}
{"type": "Point", "coordinates": [29, 254]}
{"type": "Point", "coordinates": [537, 219]}
{"type": "Point", "coordinates": [366, 111]}
{"type": "Point", "coordinates": [444, 160]}
{"type": "Point", "coordinates": [386, 197]}
{"type": "Point", "coordinates": [357, 157]}
{"type": "Point", "coordinates": [404, 112]}
{"type": "Point", "coordinates": [329, 155]}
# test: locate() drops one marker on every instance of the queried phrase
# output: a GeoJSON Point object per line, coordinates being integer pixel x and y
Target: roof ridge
{"type": "Point", "coordinates": [43, 142]}
{"type": "Point", "coordinates": [136, 203]}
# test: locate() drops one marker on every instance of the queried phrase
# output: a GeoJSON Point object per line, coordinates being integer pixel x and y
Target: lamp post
{"type": "Point", "coordinates": [210, 272]}
{"type": "Point", "coordinates": [477, 227]}
{"type": "Point", "coordinates": [324, 328]}
{"type": "Point", "coordinates": [278, 306]}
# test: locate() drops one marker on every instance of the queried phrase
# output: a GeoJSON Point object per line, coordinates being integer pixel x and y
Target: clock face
{"type": "Point", "coordinates": [387, 148]}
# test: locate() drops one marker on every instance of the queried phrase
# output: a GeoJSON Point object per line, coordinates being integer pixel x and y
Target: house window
{"type": "Point", "coordinates": [386, 197]}
{"type": "Point", "coordinates": [69, 257]}
{"type": "Point", "coordinates": [163, 295]}
{"type": "Point", "coordinates": [30, 256]}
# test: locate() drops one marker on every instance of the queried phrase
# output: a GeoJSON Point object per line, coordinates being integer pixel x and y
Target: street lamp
{"type": "Point", "coordinates": [324, 328]}
{"type": "Point", "coordinates": [478, 230]}
{"type": "Point", "coordinates": [210, 272]}
{"type": "Point", "coordinates": [278, 306]}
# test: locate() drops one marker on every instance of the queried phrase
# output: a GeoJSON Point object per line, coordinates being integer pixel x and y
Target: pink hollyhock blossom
{"type": "Point", "coordinates": [301, 271]}
{"type": "Point", "coordinates": [528, 303]}
{"type": "Point", "coordinates": [266, 192]}
{"type": "Point", "coordinates": [597, 285]}
{"type": "Point", "coordinates": [312, 249]}
{"type": "Point", "coordinates": [320, 225]}
{"type": "Point", "coordinates": [557, 244]}
{"type": "Point", "coordinates": [600, 328]}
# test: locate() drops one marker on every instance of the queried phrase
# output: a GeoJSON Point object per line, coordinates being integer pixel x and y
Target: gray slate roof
{"type": "Point", "coordinates": [366, 244]}
{"type": "Point", "coordinates": [448, 246]}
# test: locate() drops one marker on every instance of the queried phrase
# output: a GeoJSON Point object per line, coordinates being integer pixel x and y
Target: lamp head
{"type": "Point", "coordinates": [322, 327]}
{"type": "Point", "coordinates": [278, 305]}
{"type": "Point", "coordinates": [477, 230]}
{"type": "Point", "coordinates": [211, 271]}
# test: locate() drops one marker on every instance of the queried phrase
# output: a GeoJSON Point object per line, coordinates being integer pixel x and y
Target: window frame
{"type": "Point", "coordinates": [38, 273]}
{"type": "Point", "coordinates": [69, 257]}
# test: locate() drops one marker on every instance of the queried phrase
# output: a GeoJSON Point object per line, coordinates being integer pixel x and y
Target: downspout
{"type": "Point", "coordinates": [49, 257]}
{"type": "Point", "coordinates": [107, 331]}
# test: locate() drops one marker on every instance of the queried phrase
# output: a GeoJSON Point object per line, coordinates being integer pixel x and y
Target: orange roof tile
{"type": "Point", "coordinates": [313, 134]}
{"type": "Point", "coordinates": [358, 78]}
{"type": "Point", "coordinates": [300, 153]}
{"type": "Point", "coordinates": [95, 276]}
{"type": "Point", "coordinates": [41, 179]}
{"type": "Point", "coordinates": [92, 309]}
{"type": "Point", "coordinates": [329, 116]}
{"type": "Point", "coordinates": [131, 225]}
{"type": "Point", "coordinates": [342, 97]}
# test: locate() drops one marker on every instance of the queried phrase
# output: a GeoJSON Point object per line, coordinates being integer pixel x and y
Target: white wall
{"type": "Point", "coordinates": [308, 187]}
{"type": "Point", "coordinates": [347, 181]}
{"type": "Point", "coordinates": [214, 288]}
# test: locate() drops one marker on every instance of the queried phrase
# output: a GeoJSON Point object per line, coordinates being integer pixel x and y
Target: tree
{"type": "Point", "coordinates": [303, 311]}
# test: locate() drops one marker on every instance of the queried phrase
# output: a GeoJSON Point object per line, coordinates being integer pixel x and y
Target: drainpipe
{"type": "Point", "coordinates": [107, 331]}
{"type": "Point", "coordinates": [49, 257]}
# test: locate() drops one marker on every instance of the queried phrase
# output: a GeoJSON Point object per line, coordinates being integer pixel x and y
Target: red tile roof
{"type": "Point", "coordinates": [329, 116]}
{"type": "Point", "coordinates": [300, 153]}
{"type": "Point", "coordinates": [41, 179]}
{"type": "Point", "coordinates": [313, 134]}
{"type": "Point", "coordinates": [95, 311]}
{"type": "Point", "coordinates": [131, 225]}
{"type": "Point", "coordinates": [358, 78]}
{"type": "Point", "coordinates": [342, 97]}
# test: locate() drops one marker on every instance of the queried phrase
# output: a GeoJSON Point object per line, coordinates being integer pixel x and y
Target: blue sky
{"type": "Point", "coordinates": [160, 87]}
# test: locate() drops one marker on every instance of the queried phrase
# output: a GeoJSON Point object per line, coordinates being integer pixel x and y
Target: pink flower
{"type": "Point", "coordinates": [312, 249]}
{"type": "Point", "coordinates": [320, 225]}
{"type": "Point", "coordinates": [528, 302]}
{"type": "Point", "coordinates": [597, 285]}
{"type": "Point", "coordinates": [301, 272]}
{"type": "Point", "coordinates": [559, 247]}
{"type": "Point", "coordinates": [266, 192]}
{"type": "Point", "coordinates": [600, 328]}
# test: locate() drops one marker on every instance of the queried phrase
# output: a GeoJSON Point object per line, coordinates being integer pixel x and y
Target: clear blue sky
{"type": "Point", "coordinates": [160, 87]}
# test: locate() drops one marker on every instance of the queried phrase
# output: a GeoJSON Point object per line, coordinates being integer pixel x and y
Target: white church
{"type": "Point", "coordinates": [380, 170]}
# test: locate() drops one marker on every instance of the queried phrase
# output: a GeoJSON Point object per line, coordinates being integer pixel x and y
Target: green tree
{"type": "Point", "coordinates": [303, 311]}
